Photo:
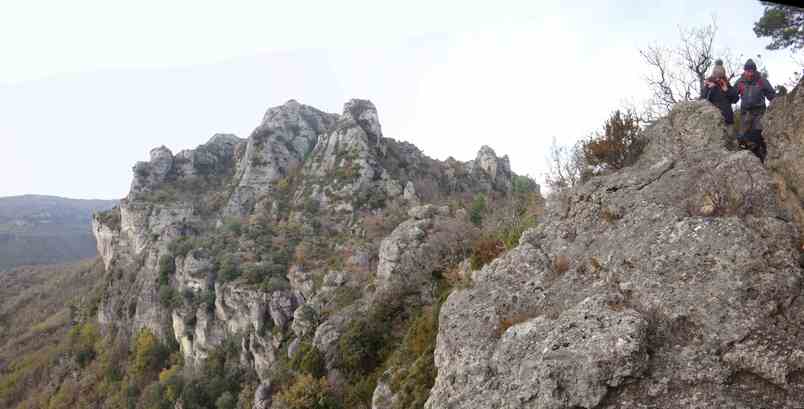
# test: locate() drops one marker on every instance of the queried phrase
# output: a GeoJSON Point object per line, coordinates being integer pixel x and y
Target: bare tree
{"type": "Point", "coordinates": [678, 72]}
{"type": "Point", "coordinates": [565, 166]}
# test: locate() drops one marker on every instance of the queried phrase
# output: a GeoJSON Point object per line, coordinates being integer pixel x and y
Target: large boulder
{"type": "Point", "coordinates": [673, 282]}
{"type": "Point", "coordinates": [419, 247]}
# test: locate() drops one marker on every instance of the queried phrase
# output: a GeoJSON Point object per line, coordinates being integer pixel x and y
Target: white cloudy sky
{"type": "Point", "coordinates": [87, 87]}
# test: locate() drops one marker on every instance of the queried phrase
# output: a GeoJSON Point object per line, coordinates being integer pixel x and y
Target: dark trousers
{"type": "Point", "coordinates": [750, 133]}
{"type": "Point", "coordinates": [751, 120]}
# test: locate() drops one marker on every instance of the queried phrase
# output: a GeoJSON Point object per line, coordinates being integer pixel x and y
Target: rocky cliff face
{"type": "Point", "coordinates": [784, 134]}
{"type": "Point", "coordinates": [265, 239]}
{"type": "Point", "coordinates": [674, 283]}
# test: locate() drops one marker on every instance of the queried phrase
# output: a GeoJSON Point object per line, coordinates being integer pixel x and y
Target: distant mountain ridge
{"type": "Point", "coordinates": [38, 229]}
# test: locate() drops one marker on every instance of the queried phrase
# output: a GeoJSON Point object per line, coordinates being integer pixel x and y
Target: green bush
{"type": "Point", "coordinates": [360, 347]}
{"type": "Point", "coordinates": [511, 232]}
{"type": "Point", "coordinates": [219, 380]}
{"type": "Point", "coordinates": [275, 283]}
{"type": "Point", "coordinates": [149, 356]}
{"type": "Point", "coordinates": [82, 339]}
{"type": "Point", "coordinates": [477, 210]}
{"type": "Point", "coordinates": [233, 226]}
{"type": "Point", "coordinates": [229, 267]}
{"type": "Point", "coordinates": [181, 246]}
{"type": "Point", "coordinates": [110, 218]}
{"type": "Point", "coordinates": [311, 207]}
{"type": "Point", "coordinates": [153, 397]}
{"type": "Point", "coordinates": [416, 372]}
{"type": "Point", "coordinates": [366, 342]}
{"type": "Point", "coordinates": [226, 401]}
{"type": "Point", "coordinates": [167, 266]}
{"type": "Point", "coordinates": [523, 184]}
{"type": "Point", "coordinates": [168, 296]}
{"type": "Point", "coordinates": [307, 392]}
{"type": "Point", "coordinates": [359, 392]}
{"type": "Point", "coordinates": [209, 299]}
{"type": "Point", "coordinates": [309, 360]}
{"type": "Point", "coordinates": [253, 273]}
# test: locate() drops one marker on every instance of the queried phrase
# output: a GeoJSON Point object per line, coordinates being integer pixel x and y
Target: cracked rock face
{"type": "Point", "coordinates": [287, 134]}
{"type": "Point", "coordinates": [498, 170]}
{"type": "Point", "coordinates": [152, 173]}
{"type": "Point", "coordinates": [628, 295]}
{"type": "Point", "coordinates": [415, 249]}
{"type": "Point", "coordinates": [784, 134]}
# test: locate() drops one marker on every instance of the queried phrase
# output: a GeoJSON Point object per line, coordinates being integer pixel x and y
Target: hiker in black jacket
{"type": "Point", "coordinates": [720, 93]}
{"type": "Point", "coordinates": [753, 90]}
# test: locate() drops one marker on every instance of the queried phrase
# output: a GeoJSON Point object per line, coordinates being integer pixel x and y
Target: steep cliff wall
{"type": "Point", "coordinates": [274, 240]}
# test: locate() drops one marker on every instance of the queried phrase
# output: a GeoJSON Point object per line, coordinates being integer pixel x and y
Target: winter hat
{"type": "Point", "coordinates": [718, 71]}
{"type": "Point", "coordinates": [749, 65]}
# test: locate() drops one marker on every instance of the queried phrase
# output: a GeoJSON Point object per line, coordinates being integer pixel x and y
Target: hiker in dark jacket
{"type": "Point", "coordinates": [753, 90]}
{"type": "Point", "coordinates": [720, 93]}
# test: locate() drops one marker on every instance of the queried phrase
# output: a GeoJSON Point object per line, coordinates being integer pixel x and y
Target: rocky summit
{"type": "Point", "coordinates": [283, 240]}
{"type": "Point", "coordinates": [321, 264]}
{"type": "Point", "coordinates": [674, 283]}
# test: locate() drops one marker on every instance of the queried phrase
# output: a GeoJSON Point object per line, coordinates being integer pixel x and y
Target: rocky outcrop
{"type": "Point", "coordinates": [106, 236]}
{"type": "Point", "coordinates": [673, 282]}
{"type": "Point", "coordinates": [217, 156]}
{"type": "Point", "coordinates": [201, 249]}
{"type": "Point", "coordinates": [496, 171]}
{"type": "Point", "coordinates": [279, 145]}
{"type": "Point", "coordinates": [419, 246]}
{"type": "Point", "coordinates": [784, 134]}
{"type": "Point", "coordinates": [148, 175]}
{"type": "Point", "coordinates": [346, 161]}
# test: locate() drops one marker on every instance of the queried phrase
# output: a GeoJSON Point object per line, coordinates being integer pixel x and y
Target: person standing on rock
{"type": "Point", "coordinates": [721, 94]}
{"type": "Point", "coordinates": [753, 90]}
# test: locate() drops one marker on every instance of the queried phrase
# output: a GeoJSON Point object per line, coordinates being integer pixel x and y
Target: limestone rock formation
{"type": "Point", "coordinates": [214, 243]}
{"type": "Point", "coordinates": [287, 134]}
{"type": "Point", "coordinates": [629, 296]}
{"type": "Point", "coordinates": [409, 255]}
{"type": "Point", "coordinates": [784, 134]}
{"type": "Point", "coordinates": [152, 173]}
{"type": "Point", "coordinates": [672, 283]}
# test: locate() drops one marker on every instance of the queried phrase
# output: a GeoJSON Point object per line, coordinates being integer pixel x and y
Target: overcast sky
{"type": "Point", "coordinates": [88, 87]}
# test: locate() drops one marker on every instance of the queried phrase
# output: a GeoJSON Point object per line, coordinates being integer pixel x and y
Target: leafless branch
{"type": "Point", "coordinates": [677, 73]}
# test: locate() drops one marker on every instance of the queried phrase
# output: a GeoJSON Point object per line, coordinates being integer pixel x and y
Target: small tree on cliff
{"type": "Point", "coordinates": [619, 145]}
{"type": "Point", "coordinates": [677, 72]}
{"type": "Point", "coordinates": [565, 166]}
{"type": "Point", "coordinates": [784, 25]}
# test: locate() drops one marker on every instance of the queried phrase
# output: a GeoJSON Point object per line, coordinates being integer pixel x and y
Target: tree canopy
{"type": "Point", "coordinates": [783, 24]}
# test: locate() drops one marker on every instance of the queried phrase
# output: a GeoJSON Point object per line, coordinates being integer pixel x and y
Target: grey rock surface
{"type": "Point", "coordinates": [148, 175]}
{"type": "Point", "coordinates": [287, 134]}
{"type": "Point", "coordinates": [627, 296]}
{"type": "Point", "coordinates": [784, 135]}
{"type": "Point", "coordinates": [427, 241]}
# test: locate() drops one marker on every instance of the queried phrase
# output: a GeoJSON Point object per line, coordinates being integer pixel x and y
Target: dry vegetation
{"type": "Point", "coordinates": [38, 306]}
